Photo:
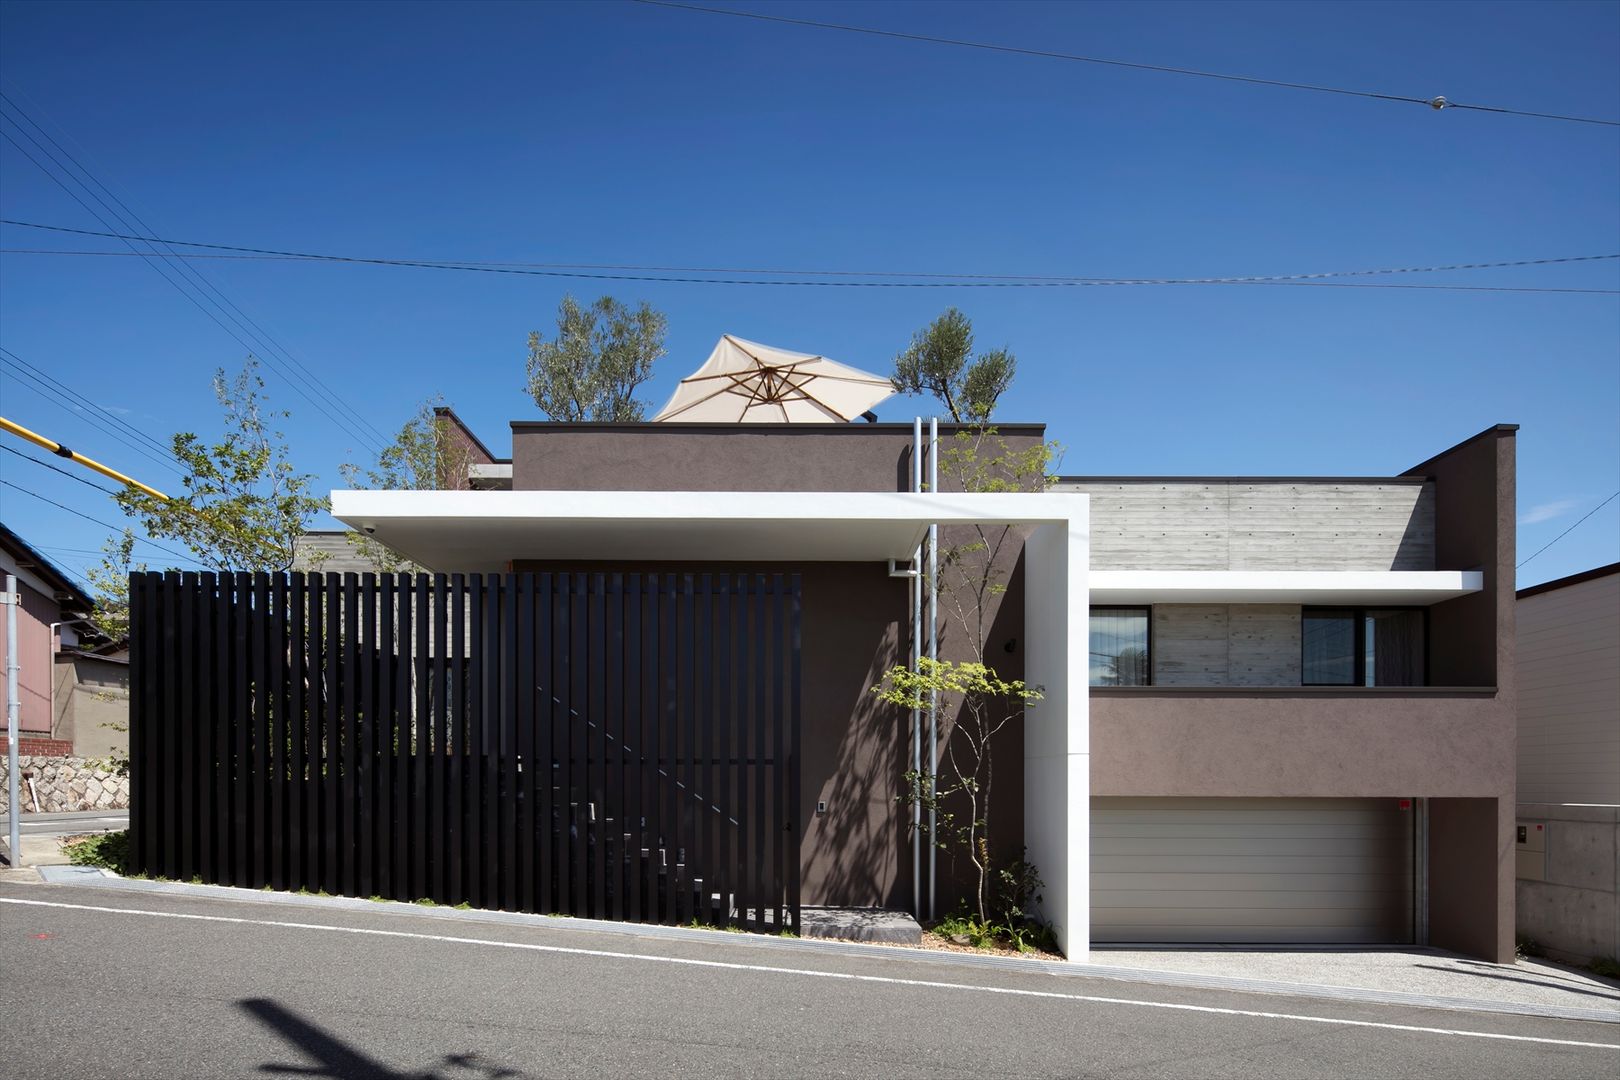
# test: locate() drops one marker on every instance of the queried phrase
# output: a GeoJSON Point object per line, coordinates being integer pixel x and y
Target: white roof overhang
{"type": "Point", "coordinates": [1392, 587]}
{"type": "Point", "coordinates": [483, 530]}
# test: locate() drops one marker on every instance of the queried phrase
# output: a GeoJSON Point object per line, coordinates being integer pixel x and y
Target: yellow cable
{"type": "Point", "coordinates": [73, 455]}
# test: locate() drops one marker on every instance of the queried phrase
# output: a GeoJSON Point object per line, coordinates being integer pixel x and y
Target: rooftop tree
{"type": "Point", "coordinates": [601, 354]}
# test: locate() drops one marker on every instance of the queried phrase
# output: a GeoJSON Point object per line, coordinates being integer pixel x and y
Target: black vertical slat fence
{"type": "Point", "coordinates": [620, 746]}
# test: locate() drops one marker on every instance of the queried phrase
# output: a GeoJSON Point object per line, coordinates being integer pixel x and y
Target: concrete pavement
{"type": "Point", "coordinates": [191, 986]}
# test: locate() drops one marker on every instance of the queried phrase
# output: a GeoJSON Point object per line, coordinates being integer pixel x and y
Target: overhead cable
{"type": "Point", "coordinates": [560, 270]}
{"type": "Point", "coordinates": [1436, 103]}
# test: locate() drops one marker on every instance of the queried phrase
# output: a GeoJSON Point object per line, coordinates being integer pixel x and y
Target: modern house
{"type": "Point", "coordinates": [69, 685]}
{"type": "Point", "coordinates": [1569, 765]}
{"type": "Point", "coordinates": [1277, 709]}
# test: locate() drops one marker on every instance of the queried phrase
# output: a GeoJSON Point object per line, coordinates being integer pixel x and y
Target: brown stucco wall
{"type": "Point", "coordinates": [720, 457]}
{"type": "Point", "coordinates": [857, 623]}
{"type": "Point", "coordinates": [1454, 746]}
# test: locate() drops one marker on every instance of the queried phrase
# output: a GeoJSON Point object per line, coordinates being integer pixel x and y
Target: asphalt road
{"type": "Point", "coordinates": [160, 986]}
{"type": "Point", "coordinates": [67, 824]}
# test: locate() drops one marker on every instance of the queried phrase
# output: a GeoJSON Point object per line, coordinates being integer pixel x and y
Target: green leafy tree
{"type": "Point", "coordinates": [110, 582]}
{"type": "Point", "coordinates": [601, 354]}
{"type": "Point", "coordinates": [974, 562]}
{"type": "Point", "coordinates": [242, 504]}
{"type": "Point", "coordinates": [960, 806]}
{"type": "Point", "coordinates": [425, 455]}
{"type": "Point", "coordinates": [940, 361]}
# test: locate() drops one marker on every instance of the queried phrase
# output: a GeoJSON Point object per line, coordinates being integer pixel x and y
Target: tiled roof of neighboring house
{"type": "Point", "coordinates": [68, 594]}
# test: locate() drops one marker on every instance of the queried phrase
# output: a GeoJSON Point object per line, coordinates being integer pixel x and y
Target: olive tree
{"type": "Point", "coordinates": [601, 354]}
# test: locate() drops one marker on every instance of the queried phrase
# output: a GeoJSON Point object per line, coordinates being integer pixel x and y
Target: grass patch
{"type": "Point", "coordinates": [110, 851]}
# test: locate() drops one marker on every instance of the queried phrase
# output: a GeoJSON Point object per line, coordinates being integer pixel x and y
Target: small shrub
{"type": "Point", "coordinates": [1525, 948]}
{"type": "Point", "coordinates": [1607, 966]}
{"type": "Point", "coordinates": [110, 851]}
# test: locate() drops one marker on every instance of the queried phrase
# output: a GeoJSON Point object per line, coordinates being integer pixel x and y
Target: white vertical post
{"type": "Point", "coordinates": [916, 653]}
{"type": "Point", "coordinates": [933, 654]}
{"type": "Point", "coordinates": [12, 705]}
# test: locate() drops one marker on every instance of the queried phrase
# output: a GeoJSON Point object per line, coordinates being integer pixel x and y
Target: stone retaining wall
{"type": "Point", "coordinates": [64, 784]}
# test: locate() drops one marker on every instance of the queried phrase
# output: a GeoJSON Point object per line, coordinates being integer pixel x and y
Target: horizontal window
{"type": "Point", "coordinates": [1119, 646]}
{"type": "Point", "coordinates": [1363, 647]}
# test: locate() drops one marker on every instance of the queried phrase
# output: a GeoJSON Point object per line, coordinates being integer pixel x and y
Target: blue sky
{"type": "Point", "coordinates": [619, 133]}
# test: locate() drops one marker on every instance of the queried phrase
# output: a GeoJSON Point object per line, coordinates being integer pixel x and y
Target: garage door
{"type": "Point", "coordinates": [1272, 871]}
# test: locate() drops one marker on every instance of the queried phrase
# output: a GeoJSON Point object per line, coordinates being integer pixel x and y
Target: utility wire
{"type": "Point", "coordinates": [52, 394]}
{"type": "Point", "coordinates": [1572, 528]}
{"type": "Point", "coordinates": [959, 281]}
{"type": "Point", "coordinates": [97, 521]}
{"type": "Point", "coordinates": [64, 472]}
{"type": "Point", "coordinates": [17, 361]}
{"type": "Point", "coordinates": [1436, 103]}
{"type": "Point", "coordinates": [309, 376]}
{"type": "Point", "coordinates": [155, 260]}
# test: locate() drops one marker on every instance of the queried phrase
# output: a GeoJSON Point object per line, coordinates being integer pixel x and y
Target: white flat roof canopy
{"type": "Point", "coordinates": [475, 531]}
{"type": "Point", "coordinates": [1394, 587]}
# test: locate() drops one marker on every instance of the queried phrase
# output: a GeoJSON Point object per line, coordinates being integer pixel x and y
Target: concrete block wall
{"type": "Point", "coordinates": [1573, 914]}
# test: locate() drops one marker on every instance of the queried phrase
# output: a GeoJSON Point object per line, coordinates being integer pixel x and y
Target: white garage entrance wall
{"type": "Point", "coordinates": [487, 530]}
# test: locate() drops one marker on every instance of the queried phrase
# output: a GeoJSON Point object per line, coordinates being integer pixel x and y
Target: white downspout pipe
{"type": "Point", "coordinates": [916, 654]}
{"type": "Point", "coordinates": [933, 652]}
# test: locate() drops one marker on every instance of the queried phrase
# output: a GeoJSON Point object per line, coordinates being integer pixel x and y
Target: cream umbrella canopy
{"type": "Point", "coordinates": [743, 381]}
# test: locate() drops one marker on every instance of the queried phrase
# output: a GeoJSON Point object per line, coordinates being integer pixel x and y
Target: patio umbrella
{"type": "Point", "coordinates": [746, 382]}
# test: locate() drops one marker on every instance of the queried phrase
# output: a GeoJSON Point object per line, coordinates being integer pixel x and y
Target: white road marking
{"type": "Point", "coordinates": [813, 974]}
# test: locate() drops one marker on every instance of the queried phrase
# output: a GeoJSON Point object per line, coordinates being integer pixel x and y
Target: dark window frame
{"type": "Point", "coordinates": [1358, 617]}
{"type": "Point", "coordinates": [1148, 666]}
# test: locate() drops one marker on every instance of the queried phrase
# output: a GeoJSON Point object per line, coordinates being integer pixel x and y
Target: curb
{"type": "Point", "coordinates": [92, 877]}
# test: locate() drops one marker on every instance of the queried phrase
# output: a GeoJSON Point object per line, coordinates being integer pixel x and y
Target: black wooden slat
{"type": "Point", "coordinates": [489, 746]}
{"type": "Point", "coordinates": [469, 755]}
{"type": "Point", "coordinates": [297, 731]}
{"type": "Point", "coordinates": [240, 718]}
{"type": "Point", "coordinates": [364, 724]}
{"type": "Point", "coordinates": [423, 837]}
{"type": "Point", "coordinates": [707, 831]}
{"type": "Point", "coordinates": [686, 754]}
{"type": "Point", "coordinates": [613, 714]}
{"type": "Point", "coordinates": [778, 754]}
{"type": "Point", "coordinates": [349, 857]}
{"type": "Point", "coordinates": [660, 858]}
{"type": "Point", "coordinates": [523, 751]}
{"type": "Point", "coordinates": [740, 729]}
{"type": "Point", "coordinates": [795, 742]}
{"type": "Point", "coordinates": [507, 756]}
{"type": "Point", "coordinates": [595, 749]}
{"type": "Point", "coordinates": [315, 856]}
{"type": "Point", "coordinates": [332, 829]}
{"type": "Point", "coordinates": [449, 734]}
{"type": "Point", "coordinates": [725, 752]}
{"type": "Point", "coordinates": [759, 872]}
{"type": "Point", "coordinates": [635, 751]}
{"type": "Point", "coordinates": [275, 660]}
{"type": "Point", "coordinates": [406, 832]}
{"type": "Point", "coordinates": [142, 712]}
{"type": "Point", "coordinates": [578, 738]}
{"type": "Point", "coordinates": [674, 835]}
{"type": "Point", "coordinates": [562, 818]}
{"type": "Point", "coordinates": [386, 737]}
{"type": "Point", "coordinates": [545, 805]}
{"type": "Point", "coordinates": [206, 658]}
{"type": "Point", "coordinates": [182, 724]}
{"type": "Point", "coordinates": [225, 792]}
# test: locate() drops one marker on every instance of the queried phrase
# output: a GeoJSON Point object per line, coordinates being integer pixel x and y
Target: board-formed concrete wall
{"type": "Point", "coordinates": [1214, 524]}
{"type": "Point", "coordinates": [1573, 913]}
{"type": "Point", "coordinates": [1226, 645]}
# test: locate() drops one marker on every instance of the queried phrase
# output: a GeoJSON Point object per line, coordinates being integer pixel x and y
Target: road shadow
{"type": "Point", "coordinates": [1561, 985]}
{"type": "Point", "coordinates": [339, 1060]}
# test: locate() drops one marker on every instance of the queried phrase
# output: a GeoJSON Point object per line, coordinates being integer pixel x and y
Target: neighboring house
{"type": "Point", "coordinates": [1569, 764]}
{"type": "Point", "coordinates": [1299, 723]}
{"type": "Point", "coordinates": [72, 686]}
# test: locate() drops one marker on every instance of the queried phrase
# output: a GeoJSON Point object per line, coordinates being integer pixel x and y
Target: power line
{"type": "Point", "coordinates": [952, 281]}
{"type": "Point", "coordinates": [58, 397]}
{"type": "Point", "coordinates": [309, 376]}
{"type": "Point", "coordinates": [97, 521]}
{"type": "Point", "coordinates": [63, 388]}
{"type": "Point", "coordinates": [156, 260]}
{"type": "Point", "coordinates": [1436, 103]}
{"type": "Point", "coordinates": [64, 472]}
{"type": "Point", "coordinates": [1572, 528]}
